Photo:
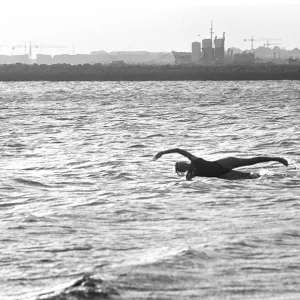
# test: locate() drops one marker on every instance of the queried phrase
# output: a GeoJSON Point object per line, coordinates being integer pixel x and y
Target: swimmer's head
{"type": "Point", "coordinates": [181, 167]}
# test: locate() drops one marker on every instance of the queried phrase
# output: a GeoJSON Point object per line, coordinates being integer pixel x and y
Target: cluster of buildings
{"type": "Point", "coordinates": [212, 51]}
{"type": "Point", "coordinates": [209, 51]}
{"type": "Point", "coordinates": [103, 57]}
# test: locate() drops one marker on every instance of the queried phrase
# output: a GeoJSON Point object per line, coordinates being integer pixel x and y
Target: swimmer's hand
{"type": "Point", "coordinates": [189, 176]}
{"type": "Point", "coordinates": [158, 155]}
{"type": "Point", "coordinates": [283, 161]}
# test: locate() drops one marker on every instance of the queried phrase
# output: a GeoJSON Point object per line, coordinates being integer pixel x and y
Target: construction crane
{"type": "Point", "coordinates": [211, 31]}
{"type": "Point", "coordinates": [30, 46]}
{"type": "Point", "coordinates": [260, 40]}
{"type": "Point", "coordinates": [269, 44]}
{"type": "Point", "coordinates": [43, 46]}
{"type": "Point", "coordinates": [252, 41]}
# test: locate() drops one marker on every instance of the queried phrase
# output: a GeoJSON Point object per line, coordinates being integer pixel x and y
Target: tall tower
{"type": "Point", "coordinates": [211, 31]}
{"type": "Point", "coordinates": [196, 52]}
{"type": "Point", "coordinates": [207, 47]}
{"type": "Point", "coordinates": [220, 49]}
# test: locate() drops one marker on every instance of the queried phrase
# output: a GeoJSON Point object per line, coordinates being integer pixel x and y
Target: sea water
{"type": "Point", "coordinates": [86, 213]}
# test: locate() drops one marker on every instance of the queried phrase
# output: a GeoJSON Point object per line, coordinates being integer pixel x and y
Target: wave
{"type": "Point", "coordinates": [8, 204]}
{"type": "Point", "coordinates": [154, 135]}
{"type": "Point", "coordinates": [135, 275]}
{"type": "Point", "coordinates": [182, 255]}
{"type": "Point", "coordinates": [31, 182]}
{"type": "Point", "coordinates": [86, 287]}
{"type": "Point", "coordinates": [124, 176]}
{"type": "Point", "coordinates": [83, 248]}
{"type": "Point", "coordinates": [137, 146]}
{"type": "Point", "coordinates": [15, 145]}
{"type": "Point", "coordinates": [166, 256]}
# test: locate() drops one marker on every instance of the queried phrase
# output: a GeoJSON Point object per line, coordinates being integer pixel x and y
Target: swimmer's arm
{"type": "Point", "coordinates": [175, 150]}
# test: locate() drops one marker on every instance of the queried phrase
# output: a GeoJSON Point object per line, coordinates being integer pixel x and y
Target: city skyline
{"type": "Point", "coordinates": [156, 26]}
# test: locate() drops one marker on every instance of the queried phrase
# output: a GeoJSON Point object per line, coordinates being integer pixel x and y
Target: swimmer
{"type": "Point", "coordinates": [221, 168]}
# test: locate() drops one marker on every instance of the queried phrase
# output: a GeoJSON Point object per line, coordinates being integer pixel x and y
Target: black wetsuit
{"type": "Point", "coordinates": [204, 168]}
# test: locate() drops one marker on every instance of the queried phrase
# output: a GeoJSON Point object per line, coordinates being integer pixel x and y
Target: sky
{"type": "Point", "coordinates": [76, 26]}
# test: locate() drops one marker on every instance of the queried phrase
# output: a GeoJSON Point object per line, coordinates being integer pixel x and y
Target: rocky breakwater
{"type": "Point", "coordinates": [99, 72]}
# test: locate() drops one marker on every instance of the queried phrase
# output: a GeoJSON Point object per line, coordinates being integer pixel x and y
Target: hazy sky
{"type": "Point", "coordinates": [152, 25]}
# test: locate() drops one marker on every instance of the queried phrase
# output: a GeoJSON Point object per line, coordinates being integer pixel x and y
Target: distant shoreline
{"type": "Point", "coordinates": [99, 72]}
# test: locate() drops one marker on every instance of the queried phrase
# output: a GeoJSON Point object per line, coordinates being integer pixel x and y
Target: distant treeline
{"type": "Point", "coordinates": [99, 72]}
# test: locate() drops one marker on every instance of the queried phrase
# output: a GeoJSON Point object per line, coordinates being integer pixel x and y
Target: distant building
{"type": "Point", "coordinates": [14, 59]}
{"type": "Point", "coordinates": [142, 57]}
{"type": "Point", "coordinates": [182, 57]}
{"type": "Point", "coordinates": [207, 51]}
{"type": "Point", "coordinates": [42, 59]}
{"type": "Point", "coordinates": [78, 59]}
{"type": "Point", "coordinates": [81, 59]}
{"type": "Point", "coordinates": [131, 57]}
{"type": "Point", "coordinates": [244, 58]}
{"type": "Point", "coordinates": [219, 49]}
{"type": "Point", "coordinates": [295, 53]}
{"type": "Point", "coordinates": [3, 59]}
{"type": "Point", "coordinates": [96, 57]}
{"type": "Point", "coordinates": [196, 52]}
{"type": "Point", "coordinates": [63, 59]}
{"type": "Point", "coordinates": [118, 63]}
{"type": "Point", "coordinates": [294, 61]}
{"type": "Point", "coordinates": [100, 57]}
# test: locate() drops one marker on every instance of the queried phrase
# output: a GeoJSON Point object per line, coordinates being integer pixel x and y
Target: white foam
{"type": "Point", "coordinates": [263, 172]}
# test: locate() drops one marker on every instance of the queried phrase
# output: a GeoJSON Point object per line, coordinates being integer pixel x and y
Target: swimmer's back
{"type": "Point", "coordinates": [204, 168]}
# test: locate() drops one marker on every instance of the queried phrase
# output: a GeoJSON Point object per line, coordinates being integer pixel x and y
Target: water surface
{"type": "Point", "coordinates": [82, 199]}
